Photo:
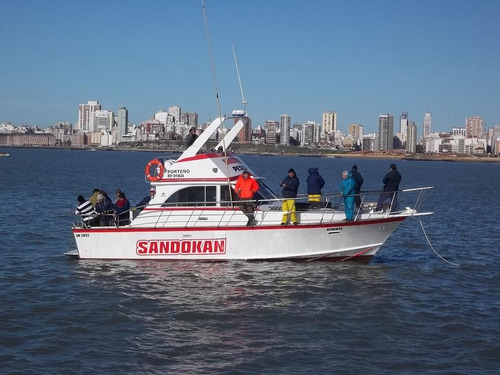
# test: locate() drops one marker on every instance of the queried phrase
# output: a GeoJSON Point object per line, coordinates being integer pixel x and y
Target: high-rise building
{"type": "Point", "coordinates": [411, 137]}
{"type": "Point", "coordinates": [285, 123]}
{"type": "Point", "coordinates": [427, 125]}
{"type": "Point", "coordinates": [175, 112]}
{"type": "Point", "coordinates": [103, 119]}
{"type": "Point", "coordinates": [122, 123]}
{"type": "Point", "coordinates": [474, 127]}
{"type": "Point", "coordinates": [385, 131]}
{"type": "Point", "coordinates": [271, 131]}
{"type": "Point", "coordinates": [403, 123]}
{"type": "Point", "coordinates": [356, 132]}
{"type": "Point", "coordinates": [86, 115]}
{"type": "Point", "coordinates": [328, 125]}
{"type": "Point", "coordinates": [245, 134]}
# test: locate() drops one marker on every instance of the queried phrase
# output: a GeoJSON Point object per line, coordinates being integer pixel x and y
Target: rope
{"type": "Point", "coordinates": [432, 247]}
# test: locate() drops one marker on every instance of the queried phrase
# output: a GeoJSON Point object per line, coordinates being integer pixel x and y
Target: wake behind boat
{"type": "Point", "coordinates": [195, 215]}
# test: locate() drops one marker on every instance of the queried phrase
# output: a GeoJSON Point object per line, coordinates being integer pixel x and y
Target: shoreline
{"type": "Point", "coordinates": [298, 152]}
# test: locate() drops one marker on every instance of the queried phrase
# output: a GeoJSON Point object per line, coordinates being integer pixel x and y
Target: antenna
{"type": "Point", "coordinates": [211, 57]}
{"type": "Point", "coordinates": [243, 101]}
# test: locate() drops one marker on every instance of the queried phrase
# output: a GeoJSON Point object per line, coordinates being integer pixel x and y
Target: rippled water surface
{"type": "Point", "coordinates": [406, 312]}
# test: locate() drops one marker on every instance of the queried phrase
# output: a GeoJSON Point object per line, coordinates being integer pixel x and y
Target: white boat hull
{"type": "Point", "coordinates": [333, 241]}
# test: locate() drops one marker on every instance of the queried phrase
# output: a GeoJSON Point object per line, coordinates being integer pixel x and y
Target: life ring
{"type": "Point", "coordinates": [159, 170]}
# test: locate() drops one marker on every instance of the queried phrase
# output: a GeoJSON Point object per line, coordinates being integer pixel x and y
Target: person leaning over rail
{"type": "Point", "coordinates": [140, 206]}
{"type": "Point", "coordinates": [105, 209]}
{"type": "Point", "coordinates": [290, 186]}
{"type": "Point", "coordinates": [86, 211]}
{"type": "Point", "coordinates": [245, 188]}
{"type": "Point", "coordinates": [314, 185]}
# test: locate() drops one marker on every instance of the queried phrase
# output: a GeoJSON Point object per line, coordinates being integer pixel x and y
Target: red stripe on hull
{"type": "Point", "coordinates": [205, 229]}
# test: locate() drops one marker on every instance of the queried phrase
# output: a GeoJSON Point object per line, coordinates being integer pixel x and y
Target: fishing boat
{"type": "Point", "coordinates": [195, 215]}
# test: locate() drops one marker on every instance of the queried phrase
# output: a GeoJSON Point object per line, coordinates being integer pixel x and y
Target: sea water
{"type": "Point", "coordinates": [405, 312]}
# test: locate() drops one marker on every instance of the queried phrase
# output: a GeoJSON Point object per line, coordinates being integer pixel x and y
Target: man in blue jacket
{"type": "Point", "coordinates": [347, 192]}
{"type": "Point", "coordinates": [290, 186]}
{"type": "Point", "coordinates": [314, 185]}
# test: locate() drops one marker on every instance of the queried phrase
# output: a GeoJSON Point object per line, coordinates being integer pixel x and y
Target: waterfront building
{"type": "Point", "coordinates": [432, 142]}
{"type": "Point", "coordinates": [455, 132]}
{"type": "Point", "coordinates": [403, 124]}
{"type": "Point", "coordinates": [427, 125]}
{"type": "Point", "coordinates": [494, 137]}
{"type": "Point", "coordinates": [245, 133]}
{"type": "Point", "coordinates": [370, 142]}
{"type": "Point", "coordinates": [474, 127]}
{"type": "Point", "coordinates": [356, 132]}
{"type": "Point", "coordinates": [328, 125]}
{"type": "Point", "coordinates": [385, 132]}
{"type": "Point", "coordinates": [175, 112]}
{"type": "Point", "coordinates": [190, 119]}
{"type": "Point", "coordinates": [28, 139]}
{"type": "Point", "coordinates": [86, 115]}
{"type": "Point", "coordinates": [411, 137]}
{"type": "Point", "coordinates": [271, 129]}
{"type": "Point", "coordinates": [285, 123]}
{"type": "Point", "coordinates": [122, 124]}
{"type": "Point", "coordinates": [7, 127]}
{"type": "Point", "coordinates": [103, 120]}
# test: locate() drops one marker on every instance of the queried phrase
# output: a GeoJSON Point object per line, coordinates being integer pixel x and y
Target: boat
{"type": "Point", "coordinates": [195, 215]}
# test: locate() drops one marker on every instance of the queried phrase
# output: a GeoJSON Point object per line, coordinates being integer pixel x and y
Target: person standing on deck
{"type": "Point", "coordinates": [290, 186]}
{"type": "Point", "coordinates": [314, 185]}
{"type": "Point", "coordinates": [245, 188]}
{"type": "Point", "coordinates": [347, 192]}
{"type": "Point", "coordinates": [358, 181]}
{"type": "Point", "coordinates": [191, 137]}
{"type": "Point", "coordinates": [391, 185]}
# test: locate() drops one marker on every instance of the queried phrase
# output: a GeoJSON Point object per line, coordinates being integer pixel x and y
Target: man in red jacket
{"type": "Point", "coordinates": [245, 188]}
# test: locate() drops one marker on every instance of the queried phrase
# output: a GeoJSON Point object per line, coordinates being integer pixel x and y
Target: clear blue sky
{"type": "Point", "coordinates": [358, 58]}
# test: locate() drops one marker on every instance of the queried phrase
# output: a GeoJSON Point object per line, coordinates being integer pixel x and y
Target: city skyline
{"type": "Point", "coordinates": [298, 58]}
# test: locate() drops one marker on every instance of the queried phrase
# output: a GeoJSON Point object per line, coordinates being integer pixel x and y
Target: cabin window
{"type": "Point", "coordinates": [225, 197]}
{"type": "Point", "coordinates": [193, 196]}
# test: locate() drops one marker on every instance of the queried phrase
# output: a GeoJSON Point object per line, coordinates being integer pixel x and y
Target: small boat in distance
{"type": "Point", "coordinates": [195, 215]}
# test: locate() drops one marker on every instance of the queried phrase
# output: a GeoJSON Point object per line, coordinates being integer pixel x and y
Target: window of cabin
{"type": "Point", "coordinates": [225, 197]}
{"type": "Point", "coordinates": [193, 196]}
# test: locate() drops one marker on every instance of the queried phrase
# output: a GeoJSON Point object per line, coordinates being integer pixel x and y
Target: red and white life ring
{"type": "Point", "coordinates": [158, 169]}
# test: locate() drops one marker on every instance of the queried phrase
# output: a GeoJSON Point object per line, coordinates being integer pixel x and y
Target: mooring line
{"type": "Point", "coordinates": [432, 247]}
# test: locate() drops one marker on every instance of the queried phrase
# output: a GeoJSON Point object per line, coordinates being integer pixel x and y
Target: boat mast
{"type": "Point", "coordinates": [243, 101]}
{"type": "Point", "coordinates": [216, 96]}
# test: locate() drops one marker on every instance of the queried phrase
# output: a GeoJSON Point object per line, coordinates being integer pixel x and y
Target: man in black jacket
{"type": "Point", "coordinates": [358, 181]}
{"type": "Point", "coordinates": [290, 186]}
{"type": "Point", "coordinates": [391, 185]}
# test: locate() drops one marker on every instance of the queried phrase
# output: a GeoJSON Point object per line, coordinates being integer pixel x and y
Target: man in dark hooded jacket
{"type": "Point", "coordinates": [391, 185]}
{"type": "Point", "coordinates": [314, 185]}
{"type": "Point", "coordinates": [358, 181]}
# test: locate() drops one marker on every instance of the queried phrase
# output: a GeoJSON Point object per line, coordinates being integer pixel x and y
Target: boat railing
{"type": "Point", "coordinates": [227, 213]}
